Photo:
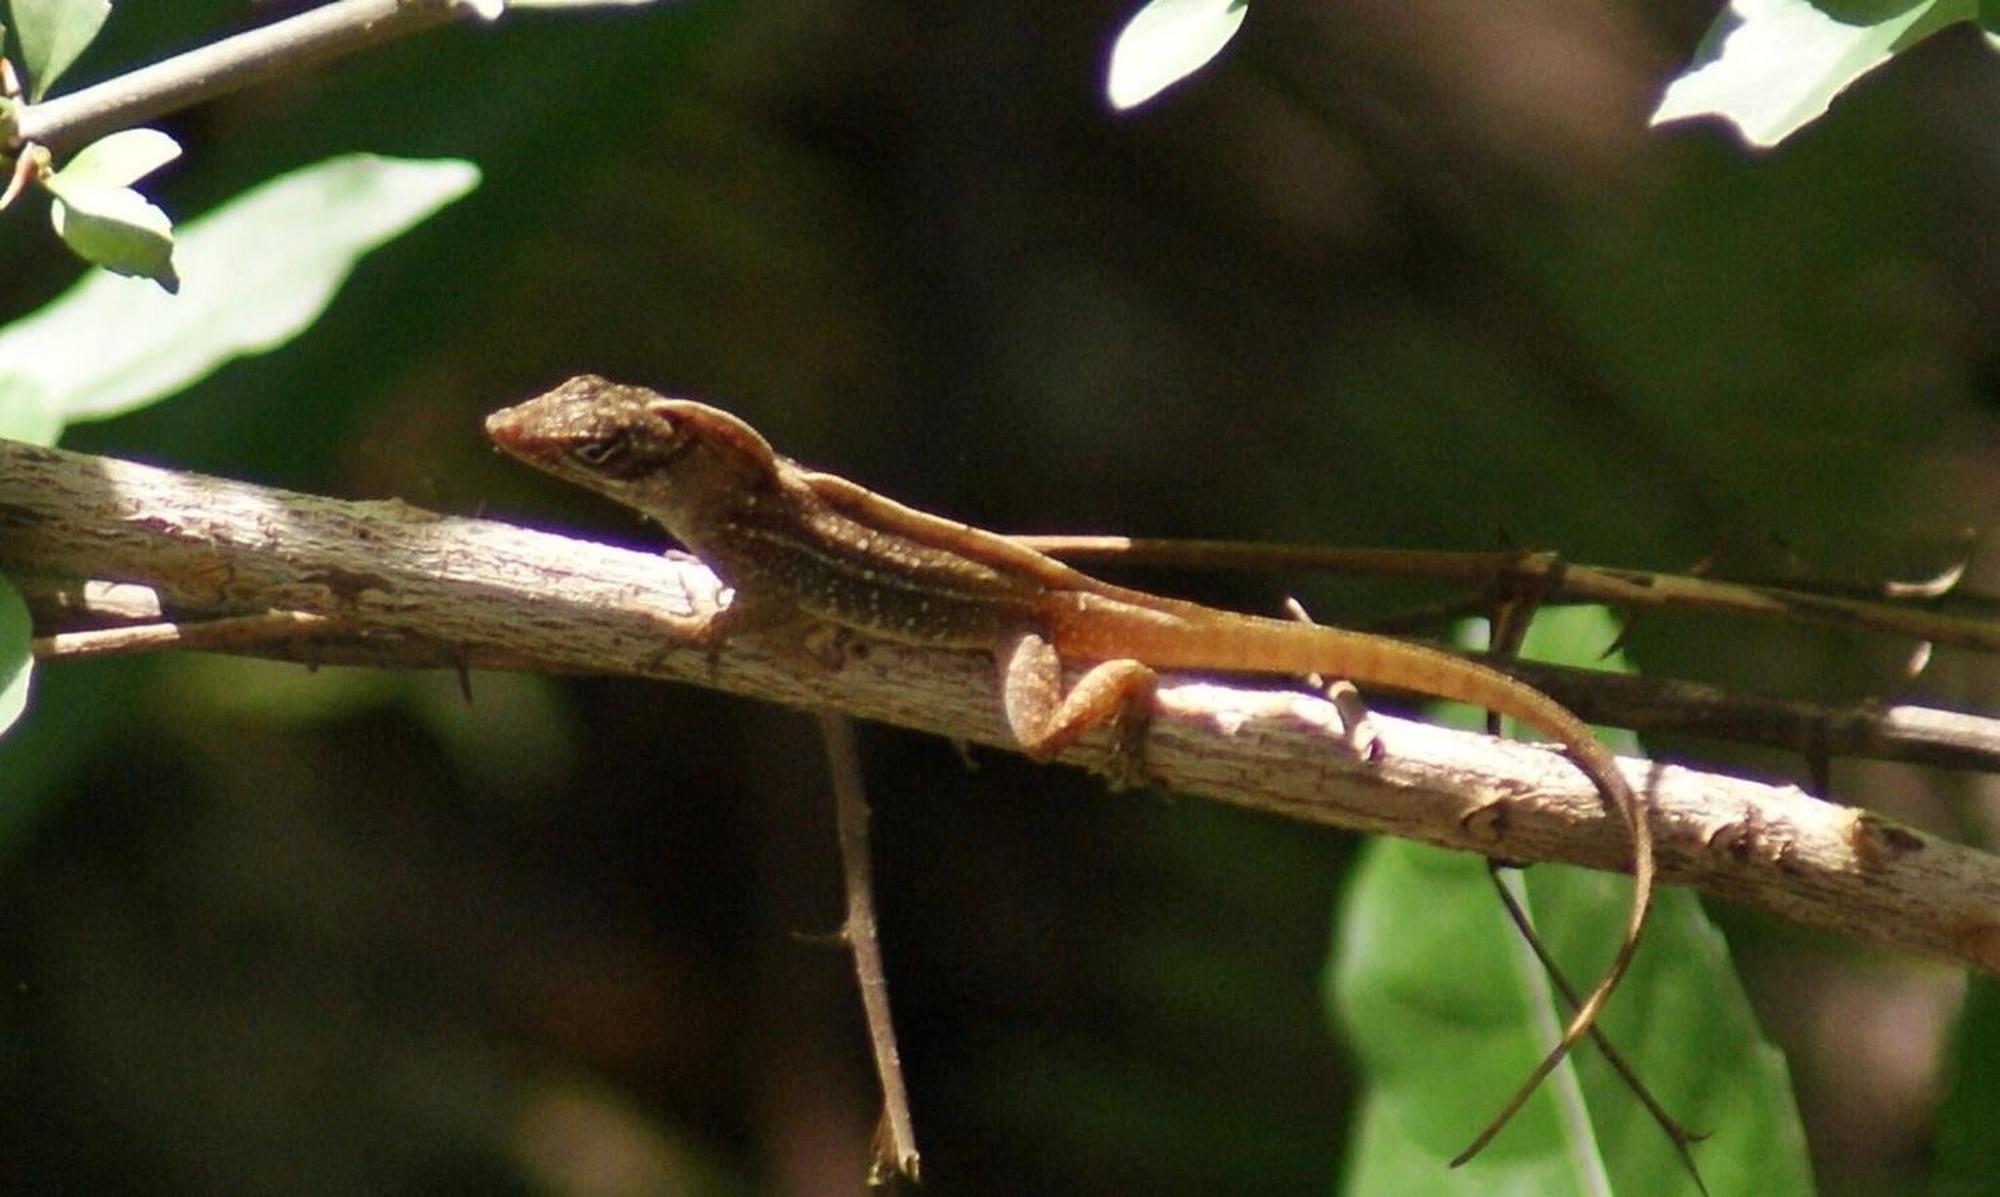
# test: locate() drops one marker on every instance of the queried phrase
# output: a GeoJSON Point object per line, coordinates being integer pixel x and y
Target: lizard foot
{"type": "Point", "coordinates": [1125, 765]}
{"type": "Point", "coordinates": [1358, 728]}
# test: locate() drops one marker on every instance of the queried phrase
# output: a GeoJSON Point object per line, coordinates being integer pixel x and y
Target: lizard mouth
{"type": "Point", "coordinates": [512, 435]}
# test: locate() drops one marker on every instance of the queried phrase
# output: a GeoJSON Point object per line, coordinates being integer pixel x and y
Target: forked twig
{"type": "Point", "coordinates": [1678, 1135]}
{"type": "Point", "coordinates": [895, 1143]}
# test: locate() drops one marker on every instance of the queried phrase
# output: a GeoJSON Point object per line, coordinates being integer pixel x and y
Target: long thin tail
{"type": "Point", "coordinates": [1413, 666]}
{"type": "Point", "coordinates": [1169, 634]}
{"type": "Point", "coordinates": [1467, 681]}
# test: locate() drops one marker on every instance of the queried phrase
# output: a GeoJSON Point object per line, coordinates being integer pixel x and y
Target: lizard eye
{"type": "Point", "coordinates": [596, 453]}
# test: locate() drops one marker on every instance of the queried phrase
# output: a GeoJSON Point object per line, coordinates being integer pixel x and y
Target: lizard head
{"type": "Point", "coordinates": [678, 461]}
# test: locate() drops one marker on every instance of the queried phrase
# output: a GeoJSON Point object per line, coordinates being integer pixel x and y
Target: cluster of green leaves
{"type": "Point", "coordinates": [93, 206]}
{"type": "Point", "coordinates": [1768, 67]}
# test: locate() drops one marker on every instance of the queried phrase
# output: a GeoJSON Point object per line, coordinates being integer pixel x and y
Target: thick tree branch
{"type": "Point", "coordinates": [393, 585]}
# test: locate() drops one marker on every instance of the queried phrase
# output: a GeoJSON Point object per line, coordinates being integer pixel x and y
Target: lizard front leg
{"type": "Point", "coordinates": [1045, 720]}
{"type": "Point", "coordinates": [775, 623]}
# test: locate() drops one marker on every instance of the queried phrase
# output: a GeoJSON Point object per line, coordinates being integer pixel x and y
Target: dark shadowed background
{"type": "Point", "coordinates": [1391, 273]}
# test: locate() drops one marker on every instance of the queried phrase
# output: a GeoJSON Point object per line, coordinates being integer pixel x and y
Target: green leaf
{"type": "Point", "coordinates": [119, 160]}
{"type": "Point", "coordinates": [104, 220]}
{"type": "Point", "coordinates": [1770, 67]}
{"type": "Point", "coordinates": [1426, 987]}
{"type": "Point", "coordinates": [52, 33]}
{"type": "Point", "coordinates": [256, 271]}
{"type": "Point", "coordinates": [1448, 1011]}
{"type": "Point", "coordinates": [1167, 41]}
{"type": "Point", "coordinates": [120, 230]}
{"type": "Point", "coordinates": [17, 664]}
{"type": "Point", "coordinates": [24, 416]}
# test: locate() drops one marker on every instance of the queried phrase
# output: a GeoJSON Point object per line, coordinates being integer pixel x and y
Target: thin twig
{"type": "Point", "coordinates": [211, 635]}
{"type": "Point", "coordinates": [1915, 734]}
{"type": "Point", "coordinates": [218, 68]}
{"type": "Point", "coordinates": [898, 1156]}
{"type": "Point", "coordinates": [1629, 588]}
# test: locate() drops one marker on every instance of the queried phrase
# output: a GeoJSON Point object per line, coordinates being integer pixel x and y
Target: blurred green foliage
{"type": "Point", "coordinates": [1967, 1155]}
{"type": "Point", "coordinates": [261, 269]}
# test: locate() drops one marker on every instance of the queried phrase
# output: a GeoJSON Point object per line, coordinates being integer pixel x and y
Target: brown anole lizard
{"type": "Point", "coordinates": [801, 547]}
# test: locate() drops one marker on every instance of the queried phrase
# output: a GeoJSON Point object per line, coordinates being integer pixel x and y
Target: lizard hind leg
{"type": "Point", "coordinates": [1044, 720]}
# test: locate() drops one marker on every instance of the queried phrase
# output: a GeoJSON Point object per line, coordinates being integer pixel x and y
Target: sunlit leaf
{"type": "Point", "coordinates": [107, 223]}
{"type": "Point", "coordinates": [120, 230]}
{"type": "Point", "coordinates": [256, 272]}
{"type": "Point", "coordinates": [1770, 67]}
{"type": "Point", "coordinates": [1167, 41]}
{"type": "Point", "coordinates": [52, 33]}
{"type": "Point", "coordinates": [118, 160]}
